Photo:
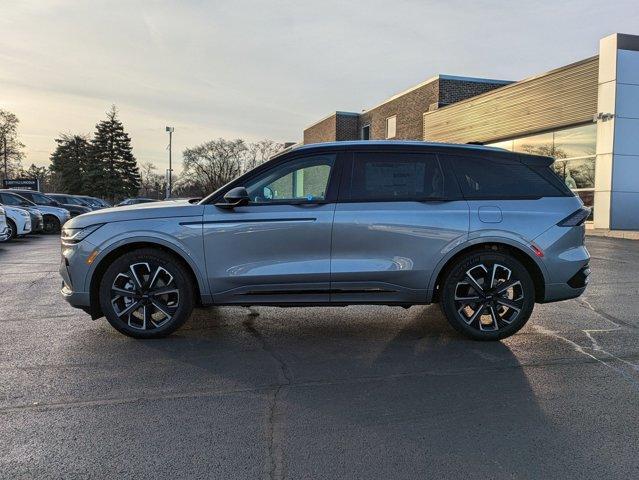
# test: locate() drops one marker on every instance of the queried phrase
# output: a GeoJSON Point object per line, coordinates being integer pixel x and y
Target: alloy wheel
{"type": "Point", "coordinates": [145, 296]}
{"type": "Point", "coordinates": [489, 297]}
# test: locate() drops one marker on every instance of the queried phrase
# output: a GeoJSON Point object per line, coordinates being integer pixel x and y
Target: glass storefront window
{"type": "Point", "coordinates": [576, 142]}
{"type": "Point", "coordinates": [537, 144]}
{"type": "Point", "coordinates": [506, 144]}
{"type": "Point", "coordinates": [578, 173]}
{"type": "Point", "coordinates": [574, 152]}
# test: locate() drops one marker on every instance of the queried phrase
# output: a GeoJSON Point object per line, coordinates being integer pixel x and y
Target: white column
{"type": "Point", "coordinates": [617, 168]}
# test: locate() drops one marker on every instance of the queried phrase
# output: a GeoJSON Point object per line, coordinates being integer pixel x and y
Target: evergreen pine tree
{"type": "Point", "coordinates": [69, 162]}
{"type": "Point", "coordinates": [113, 171]}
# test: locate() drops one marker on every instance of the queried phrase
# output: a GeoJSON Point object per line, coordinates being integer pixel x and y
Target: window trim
{"type": "Point", "coordinates": [361, 132]}
{"type": "Point", "coordinates": [386, 127]}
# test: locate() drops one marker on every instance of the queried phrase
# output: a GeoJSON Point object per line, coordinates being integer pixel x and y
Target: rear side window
{"type": "Point", "coordinates": [396, 176]}
{"type": "Point", "coordinates": [483, 178]}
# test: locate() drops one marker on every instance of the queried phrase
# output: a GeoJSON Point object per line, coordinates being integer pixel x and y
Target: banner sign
{"type": "Point", "coordinates": [24, 183]}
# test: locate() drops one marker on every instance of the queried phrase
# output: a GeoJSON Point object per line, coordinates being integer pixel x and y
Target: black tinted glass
{"type": "Point", "coordinates": [396, 176]}
{"type": "Point", "coordinates": [500, 178]}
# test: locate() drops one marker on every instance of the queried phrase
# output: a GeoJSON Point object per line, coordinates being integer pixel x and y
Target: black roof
{"type": "Point", "coordinates": [399, 145]}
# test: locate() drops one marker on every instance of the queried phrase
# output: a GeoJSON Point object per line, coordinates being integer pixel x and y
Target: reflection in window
{"type": "Point", "coordinates": [576, 142]}
{"type": "Point", "coordinates": [579, 173]}
{"type": "Point", "coordinates": [536, 144]}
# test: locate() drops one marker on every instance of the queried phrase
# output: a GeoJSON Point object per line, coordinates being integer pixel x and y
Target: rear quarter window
{"type": "Point", "coordinates": [500, 178]}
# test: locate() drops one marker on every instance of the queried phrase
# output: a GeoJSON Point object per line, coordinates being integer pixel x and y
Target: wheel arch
{"type": "Point", "coordinates": [107, 257]}
{"type": "Point", "coordinates": [534, 266]}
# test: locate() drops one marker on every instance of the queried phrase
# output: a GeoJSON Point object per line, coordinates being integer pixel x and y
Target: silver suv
{"type": "Point", "coordinates": [484, 232]}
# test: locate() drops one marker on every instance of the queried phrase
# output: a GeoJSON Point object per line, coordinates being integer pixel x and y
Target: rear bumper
{"type": "Point", "coordinates": [4, 234]}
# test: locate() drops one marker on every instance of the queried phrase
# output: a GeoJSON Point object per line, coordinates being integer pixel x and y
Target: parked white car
{"type": "Point", "coordinates": [18, 221]}
{"type": "Point", "coordinates": [4, 230]}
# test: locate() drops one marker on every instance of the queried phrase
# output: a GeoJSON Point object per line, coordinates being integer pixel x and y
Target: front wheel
{"type": "Point", "coordinates": [487, 295]}
{"type": "Point", "coordinates": [146, 293]}
{"type": "Point", "coordinates": [13, 231]}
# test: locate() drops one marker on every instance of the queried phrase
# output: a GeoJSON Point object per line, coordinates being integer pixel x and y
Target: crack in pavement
{"type": "Point", "coordinates": [277, 466]}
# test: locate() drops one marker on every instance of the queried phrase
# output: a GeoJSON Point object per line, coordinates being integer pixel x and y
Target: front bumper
{"type": "Point", "coordinates": [73, 270]}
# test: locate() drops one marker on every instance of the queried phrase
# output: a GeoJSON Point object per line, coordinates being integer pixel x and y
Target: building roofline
{"type": "Point", "coordinates": [337, 112]}
{"type": "Point", "coordinates": [513, 84]}
{"type": "Point", "coordinates": [435, 78]}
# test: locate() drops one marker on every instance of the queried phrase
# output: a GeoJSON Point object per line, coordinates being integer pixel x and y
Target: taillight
{"type": "Point", "coordinates": [575, 218]}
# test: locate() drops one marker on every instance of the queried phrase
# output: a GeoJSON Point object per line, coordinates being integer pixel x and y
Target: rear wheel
{"type": "Point", "coordinates": [51, 224]}
{"type": "Point", "coordinates": [487, 296]}
{"type": "Point", "coordinates": [146, 293]}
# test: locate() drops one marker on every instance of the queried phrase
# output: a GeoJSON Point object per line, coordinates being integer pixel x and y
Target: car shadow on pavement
{"type": "Point", "coordinates": [401, 382]}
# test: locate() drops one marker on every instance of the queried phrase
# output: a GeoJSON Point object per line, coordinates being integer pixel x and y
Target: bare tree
{"type": "Point", "coordinates": [259, 152]}
{"type": "Point", "coordinates": [11, 149]}
{"type": "Point", "coordinates": [212, 164]}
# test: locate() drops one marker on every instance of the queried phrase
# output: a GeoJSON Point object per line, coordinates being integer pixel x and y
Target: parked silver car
{"type": "Point", "coordinates": [484, 232]}
{"type": "Point", "coordinates": [18, 221]}
{"type": "Point", "coordinates": [4, 229]}
{"type": "Point", "coordinates": [53, 216]}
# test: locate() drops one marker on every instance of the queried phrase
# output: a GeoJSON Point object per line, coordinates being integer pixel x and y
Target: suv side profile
{"type": "Point", "coordinates": [484, 232]}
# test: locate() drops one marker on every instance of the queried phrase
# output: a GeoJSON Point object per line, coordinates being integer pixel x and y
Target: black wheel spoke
{"type": "Point", "coordinates": [473, 283]}
{"type": "Point", "coordinates": [130, 309]}
{"type": "Point", "coordinates": [515, 305]}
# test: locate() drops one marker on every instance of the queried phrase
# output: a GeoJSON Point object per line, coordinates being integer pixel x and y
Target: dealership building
{"type": "Point", "coordinates": [585, 114]}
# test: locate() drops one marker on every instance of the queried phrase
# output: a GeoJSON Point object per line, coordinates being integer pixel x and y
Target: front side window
{"type": "Point", "coordinates": [396, 177]}
{"type": "Point", "coordinates": [391, 127]}
{"type": "Point", "coordinates": [305, 179]}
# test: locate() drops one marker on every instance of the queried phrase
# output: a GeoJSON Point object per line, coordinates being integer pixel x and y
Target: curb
{"type": "Point", "coordinates": [625, 234]}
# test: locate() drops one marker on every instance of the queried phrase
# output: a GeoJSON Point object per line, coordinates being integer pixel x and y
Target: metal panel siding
{"type": "Point", "coordinates": [559, 98]}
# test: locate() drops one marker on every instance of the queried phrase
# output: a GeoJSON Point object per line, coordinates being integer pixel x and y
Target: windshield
{"type": "Point", "coordinates": [42, 199]}
{"type": "Point", "coordinates": [15, 200]}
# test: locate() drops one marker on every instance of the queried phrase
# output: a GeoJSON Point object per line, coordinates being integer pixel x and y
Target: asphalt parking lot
{"type": "Point", "coordinates": [358, 392]}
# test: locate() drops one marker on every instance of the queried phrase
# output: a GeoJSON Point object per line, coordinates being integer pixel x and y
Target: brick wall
{"type": "Point", "coordinates": [322, 131]}
{"type": "Point", "coordinates": [408, 107]}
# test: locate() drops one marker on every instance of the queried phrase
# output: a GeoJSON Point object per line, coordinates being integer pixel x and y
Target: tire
{"type": "Point", "coordinates": [13, 230]}
{"type": "Point", "coordinates": [51, 224]}
{"type": "Point", "coordinates": [489, 313]}
{"type": "Point", "coordinates": [156, 315]}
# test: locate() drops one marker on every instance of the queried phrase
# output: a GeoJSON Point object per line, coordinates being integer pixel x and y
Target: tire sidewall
{"type": "Point", "coordinates": [457, 272]}
{"type": "Point", "coordinates": [166, 261]}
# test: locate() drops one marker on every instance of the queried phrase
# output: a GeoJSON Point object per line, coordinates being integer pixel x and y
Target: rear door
{"type": "Point", "coordinates": [397, 214]}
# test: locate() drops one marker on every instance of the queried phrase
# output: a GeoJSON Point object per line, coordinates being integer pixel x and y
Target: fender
{"type": "Point", "coordinates": [486, 236]}
{"type": "Point", "coordinates": [158, 238]}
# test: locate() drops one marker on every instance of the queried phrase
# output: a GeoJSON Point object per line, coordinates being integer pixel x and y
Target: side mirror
{"type": "Point", "coordinates": [236, 197]}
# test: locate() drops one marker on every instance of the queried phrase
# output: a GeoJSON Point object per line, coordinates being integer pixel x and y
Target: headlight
{"type": "Point", "coordinates": [24, 213]}
{"type": "Point", "coordinates": [75, 235]}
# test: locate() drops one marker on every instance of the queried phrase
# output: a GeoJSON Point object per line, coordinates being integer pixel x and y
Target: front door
{"type": "Point", "coordinates": [398, 214]}
{"type": "Point", "coordinates": [276, 249]}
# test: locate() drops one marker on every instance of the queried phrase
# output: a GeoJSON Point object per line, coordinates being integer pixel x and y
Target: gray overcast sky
{"type": "Point", "coordinates": [256, 69]}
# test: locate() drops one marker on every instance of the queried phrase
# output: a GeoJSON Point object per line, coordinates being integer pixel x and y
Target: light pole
{"type": "Point", "coordinates": [169, 186]}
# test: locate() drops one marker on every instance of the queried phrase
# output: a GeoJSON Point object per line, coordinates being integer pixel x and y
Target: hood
{"type": "Point", "coordinates": [10, 210]}
{"type": "Point", "coordinates": [137, 212]}
{"type": "Point", "coordinates": [52, 210]}
{"type": "Point", "coordinates": [76, 208]}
